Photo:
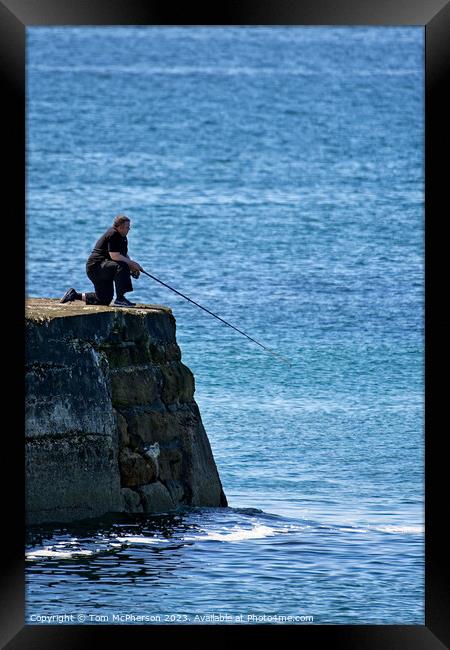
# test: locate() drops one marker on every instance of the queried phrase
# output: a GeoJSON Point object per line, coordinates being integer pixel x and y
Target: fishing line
{"type": "Point", "coordinates": [218, 318]}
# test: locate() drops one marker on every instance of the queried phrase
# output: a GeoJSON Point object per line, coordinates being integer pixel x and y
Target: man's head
{"type": "Point", "coordinates": [122, 224]}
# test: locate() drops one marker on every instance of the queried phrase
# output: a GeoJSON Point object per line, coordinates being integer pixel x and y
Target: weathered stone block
{"type": "Point", "coordinates": [178, 383]}
{"type": "Point", "coordinates": [109, 407]}
{"type": "Point", "coordinates": [198, 469]}
{"type": "Point", "coordinates": [135, 469]}
{"type": "Point", "coordinates": [122, 429]}
{"type": "Point", "coordinates": [72, 395]}
{"type": "Point", "coordinates": [176, 490]}
{"type": "Point", "coordinates": [156, 498]}
{"type": "Point", "coordinates": [170, 464]}
{"type": "Point", "coordinates": [71, 478]}
{"type": "Point", "coordinates": [135, 385]}
{"type": "Point", "coordinates": [127, 353]}
{"type": "Point", "coordinates": [153, 426]}
{"type": "Point", "coordinates": [164, 353]}
{"type": "Point", "coordinates": [131, 501]}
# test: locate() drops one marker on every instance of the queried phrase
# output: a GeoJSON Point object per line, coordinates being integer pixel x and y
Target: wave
{"type": "Point", "coordinates": [136, 539]}
{"type": "Point", "coordinates": [237, 534]}
{"type": "Point", "coordinates": [54, 553]}
{"type": "Point", "coordinates": [186, 70]}
{"type": "Point", "coordinates": [404, 530]}
{"type": "Point", "coordinates": [230, 526]}
{"type": "Point", "coordinates": [386, 528]}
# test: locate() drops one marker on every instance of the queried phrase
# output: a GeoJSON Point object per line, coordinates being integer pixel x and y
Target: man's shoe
{"type": "Point", "coordinates": [69, 296]}
{"type": "Point", "coordinates": [123, 302]}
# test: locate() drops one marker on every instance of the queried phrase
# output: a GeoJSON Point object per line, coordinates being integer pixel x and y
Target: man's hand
{"type": "Point", "coordinates": [134, 266]}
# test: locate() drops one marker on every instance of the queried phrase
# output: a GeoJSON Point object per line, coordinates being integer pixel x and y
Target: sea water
{"type": "Point", "coordinates": [275, 176]}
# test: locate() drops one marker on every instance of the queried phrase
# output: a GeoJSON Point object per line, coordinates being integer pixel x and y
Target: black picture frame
{"type": "Point", "coordinates": [434, 17]}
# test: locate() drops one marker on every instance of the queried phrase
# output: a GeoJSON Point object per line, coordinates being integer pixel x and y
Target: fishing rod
{"type": "Point", "coordinates": [218, 317]}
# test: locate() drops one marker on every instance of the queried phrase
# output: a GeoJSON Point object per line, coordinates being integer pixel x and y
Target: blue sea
{"type": "Point", "coordinates": [275, 175]}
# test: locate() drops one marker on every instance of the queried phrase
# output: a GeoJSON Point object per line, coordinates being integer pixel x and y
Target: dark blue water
{"type": "Point", "coordinates": [275, 176]}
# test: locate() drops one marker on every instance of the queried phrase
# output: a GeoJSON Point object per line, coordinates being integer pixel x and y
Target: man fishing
{"type": "Point", "coordinates": [107, 266]}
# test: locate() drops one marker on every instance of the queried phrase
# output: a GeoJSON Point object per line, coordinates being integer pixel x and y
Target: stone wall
{"type": "Point", "coordinates": [111, 421]}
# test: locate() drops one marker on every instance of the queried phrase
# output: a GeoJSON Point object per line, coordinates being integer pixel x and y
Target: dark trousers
{"type": "Point", "coordinates": [104, 275]}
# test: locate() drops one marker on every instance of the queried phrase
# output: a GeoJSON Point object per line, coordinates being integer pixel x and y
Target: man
{"type": "Point", "coordinates": [109, 265]}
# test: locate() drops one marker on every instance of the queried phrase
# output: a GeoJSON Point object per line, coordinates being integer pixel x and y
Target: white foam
{"type": "Point", "coordinates": [49, 552]}
{"type": "Point", "coordinates": [139, 540]}
{"type": "Point", "coordinates": [405, 530]}
{"type": "Point", "coordinates": [394, 530]}
{"type": "Point", "coordinates": [236, 535]}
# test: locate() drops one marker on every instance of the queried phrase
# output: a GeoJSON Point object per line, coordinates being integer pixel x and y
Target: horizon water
{"type": "Point", "coordinates": [275, 176]}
